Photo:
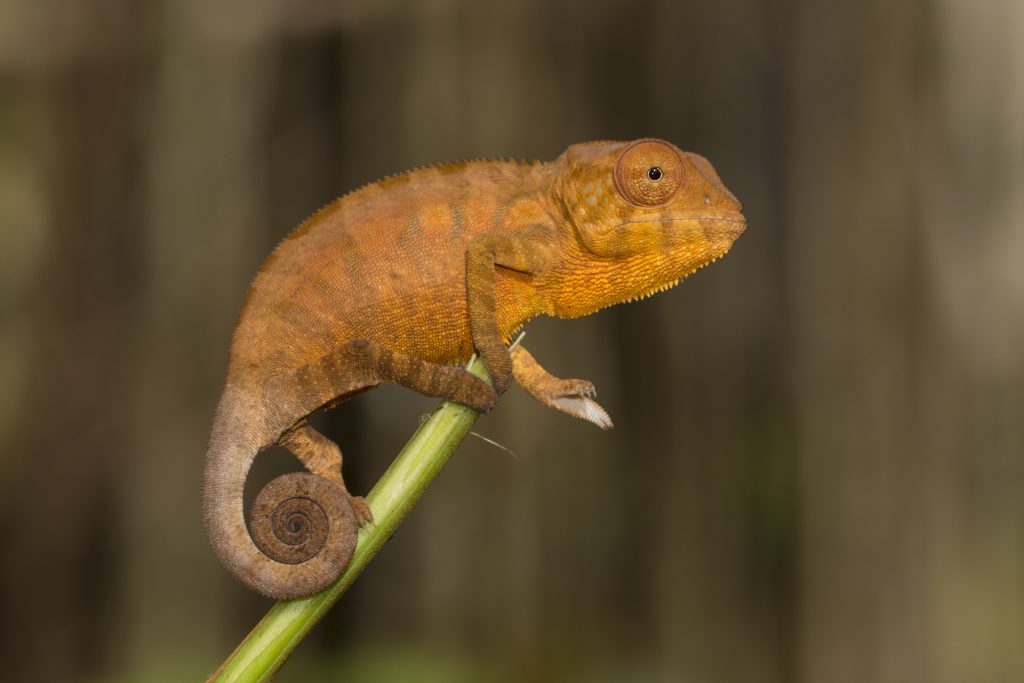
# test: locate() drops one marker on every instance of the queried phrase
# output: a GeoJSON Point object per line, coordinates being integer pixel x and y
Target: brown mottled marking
{"type": "Point", "coordinates": [404, 278]}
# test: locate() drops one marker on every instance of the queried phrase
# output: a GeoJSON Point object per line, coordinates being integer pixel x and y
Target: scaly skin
{"type": "Point", "coordinates": [404, 279]}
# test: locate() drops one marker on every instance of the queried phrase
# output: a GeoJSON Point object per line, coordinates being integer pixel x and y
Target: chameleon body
{"type": "Point", "coordinates": [404, 279]}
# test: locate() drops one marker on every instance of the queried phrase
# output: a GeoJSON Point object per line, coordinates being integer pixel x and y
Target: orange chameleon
{"type": "Point", "coordinates": [406, 277]}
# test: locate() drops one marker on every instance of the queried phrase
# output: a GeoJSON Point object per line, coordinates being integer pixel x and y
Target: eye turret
{"type": "Point", "coordinates": [648, 173]}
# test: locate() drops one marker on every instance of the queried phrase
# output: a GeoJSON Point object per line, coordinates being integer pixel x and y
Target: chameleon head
{"type": "Point", "coordinates": [643, 215]}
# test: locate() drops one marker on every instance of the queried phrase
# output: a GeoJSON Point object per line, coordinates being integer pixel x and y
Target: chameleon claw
{"type": "Point", "coordinates": [574, 397]}
{"type": "Point", "coordinates": [575, 388]}
{"type": "Point", "coordinates": [362, 511]}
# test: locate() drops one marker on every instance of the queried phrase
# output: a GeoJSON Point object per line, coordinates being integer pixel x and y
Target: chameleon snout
{"type": "Point", "coordinates": [723, 227]}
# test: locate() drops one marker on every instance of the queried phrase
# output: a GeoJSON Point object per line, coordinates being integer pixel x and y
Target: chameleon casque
{"type": "Point", "coordinates": [407, 277]}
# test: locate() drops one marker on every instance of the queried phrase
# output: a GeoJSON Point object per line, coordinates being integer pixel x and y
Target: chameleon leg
{"type": "Point", "coordinates": [360, 363]}
{"type": "Point", "coordinates": [451, 383]}
{"type": "Point", "coordinates": [322, 457]}
{"type": "Point", "coordinates": [483, 312]}
{"type": "Point", "coordinates": [482, 256]}
{"type": "Point", "coordinates": [571, 396]}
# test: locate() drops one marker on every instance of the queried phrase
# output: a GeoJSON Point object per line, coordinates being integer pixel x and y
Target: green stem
{"type": "Point", "coordinates": [270, 643]}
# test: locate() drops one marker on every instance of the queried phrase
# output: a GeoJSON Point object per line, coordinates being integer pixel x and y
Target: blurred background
{"type": "Point", "coordinates": [817, 467]}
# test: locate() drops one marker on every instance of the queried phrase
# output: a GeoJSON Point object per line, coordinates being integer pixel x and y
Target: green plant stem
{"type": "Point", "coordinates": [270, 643]}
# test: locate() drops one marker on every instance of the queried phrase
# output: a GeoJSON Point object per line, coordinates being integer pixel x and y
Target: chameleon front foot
{"type": "Point", "coordinates": [571, 396]}
{"type": "Point", "coordinates": [575, 397]}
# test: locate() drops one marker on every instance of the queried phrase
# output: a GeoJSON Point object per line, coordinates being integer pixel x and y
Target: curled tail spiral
{"type": "Point", "coordinates": [303, 528]}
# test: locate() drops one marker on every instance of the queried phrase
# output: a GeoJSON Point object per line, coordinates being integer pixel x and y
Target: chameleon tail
{"type": "Point", "coordinates": [303, 528]}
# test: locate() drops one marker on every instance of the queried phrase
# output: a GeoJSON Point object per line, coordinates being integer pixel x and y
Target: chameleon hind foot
{"type": "Point", "coordinates": [322, 457]}
{"type": "Point", "coordinates": [361, 509]}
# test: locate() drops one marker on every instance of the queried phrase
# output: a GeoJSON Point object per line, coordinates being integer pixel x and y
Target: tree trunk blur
{"type": "Point", "coordinates": [908, 339]}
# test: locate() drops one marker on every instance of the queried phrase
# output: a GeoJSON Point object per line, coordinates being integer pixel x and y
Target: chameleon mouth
{"type": "Point", "coordinates": [732, 223]}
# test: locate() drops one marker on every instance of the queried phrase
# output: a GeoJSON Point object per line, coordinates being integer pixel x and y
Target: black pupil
{"type": "Point", "coordinates": [654, 173]}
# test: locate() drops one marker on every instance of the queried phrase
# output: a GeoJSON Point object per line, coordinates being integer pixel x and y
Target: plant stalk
{"type": "Point", "coordinates": [277, 634]}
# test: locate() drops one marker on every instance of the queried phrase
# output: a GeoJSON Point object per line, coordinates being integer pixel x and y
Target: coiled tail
{"type": "Point", "coordinates": [303, 528]}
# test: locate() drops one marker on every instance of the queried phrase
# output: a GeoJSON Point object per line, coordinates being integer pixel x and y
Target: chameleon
{"type": "Point", "coordinates": [402, 280]}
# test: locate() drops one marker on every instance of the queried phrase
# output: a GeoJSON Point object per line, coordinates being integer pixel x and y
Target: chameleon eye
{"type": "Point", "coordinates": [649, 173]}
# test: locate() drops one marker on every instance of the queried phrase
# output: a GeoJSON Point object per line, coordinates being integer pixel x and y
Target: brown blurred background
{"type": "Point", "coordinates": [818, 463]}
